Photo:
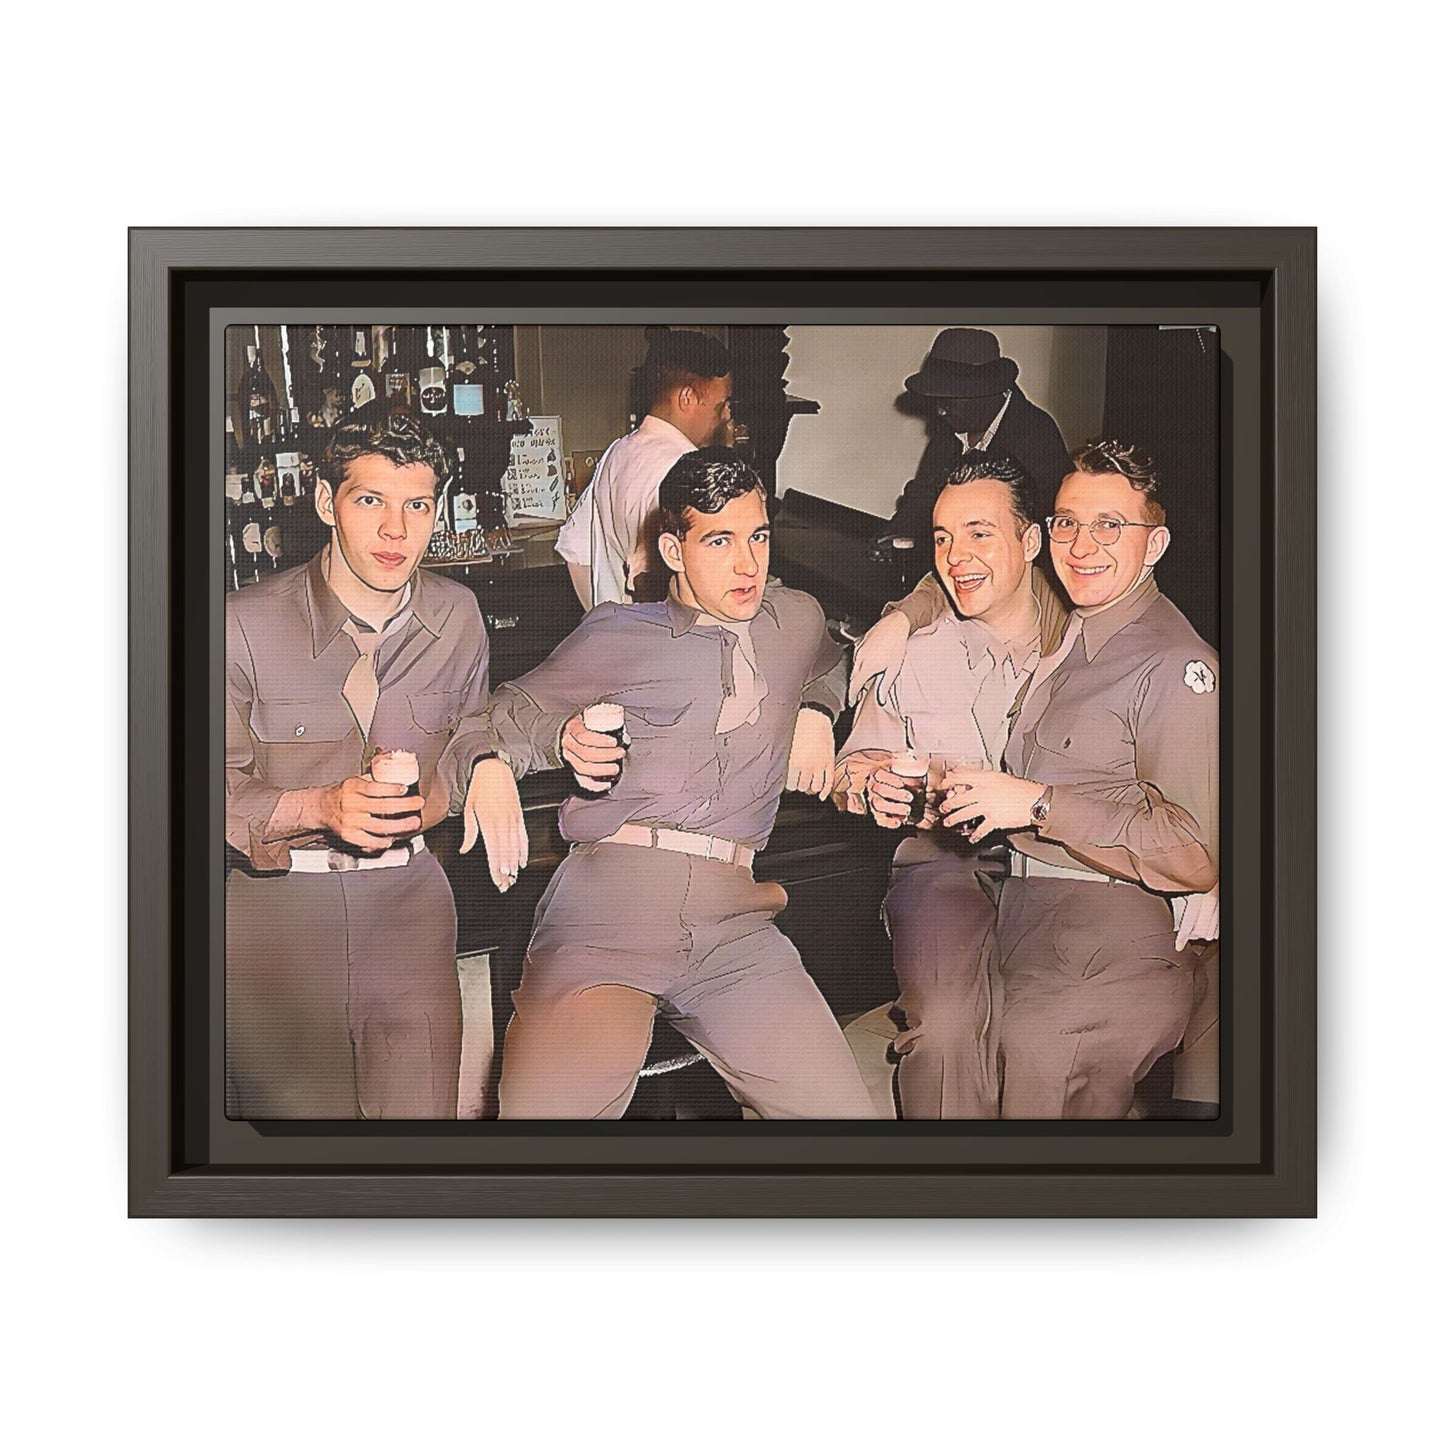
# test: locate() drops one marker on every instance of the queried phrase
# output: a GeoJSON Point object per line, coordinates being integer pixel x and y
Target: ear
{"type": "Point", "coordinates": [1033, 541]}
{"type": "Point", "coordinates": [670, 546]}
{"type": "Point", "coordinates": [1158, 545]}
{"type": "Point", "coordinates": [687, 397]}
{"type": "Point", "coordinates": [325, 502]}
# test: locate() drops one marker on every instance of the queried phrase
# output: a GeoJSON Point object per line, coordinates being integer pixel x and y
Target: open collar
{"type": "Point", "coordinates": [328, 615]}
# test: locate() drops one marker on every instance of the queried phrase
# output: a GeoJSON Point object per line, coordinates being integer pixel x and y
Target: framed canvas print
{"type": "Point", "coordinates": [880, 780]}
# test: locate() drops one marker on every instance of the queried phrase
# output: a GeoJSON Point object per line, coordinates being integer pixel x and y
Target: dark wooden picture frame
{"type": "Point", "coordinates": [1258, 1160]}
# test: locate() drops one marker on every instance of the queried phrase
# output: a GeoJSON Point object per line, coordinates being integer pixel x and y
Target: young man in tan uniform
{"type": "Point", "coordinates": [729, 689]}
{"type": "Point", "coordinates": [342, 998]}
{"type": "Point", "coordinates": [961, 675]}
{"type": "Point", "coordinates": [1111, 807]}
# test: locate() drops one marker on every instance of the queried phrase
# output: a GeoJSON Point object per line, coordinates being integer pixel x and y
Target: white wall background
{"type": "Point", "coordinates": [860, 448]}
{"type": "Point", "coordinates": [783, 1331]}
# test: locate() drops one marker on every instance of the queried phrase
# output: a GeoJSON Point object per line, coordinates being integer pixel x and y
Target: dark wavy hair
{"type": "Point", "coordinates": [703, 481]}
{"type": "Point", "coordinates": [1131, 463]}
{"type": "Point", "coordinates": [675, 359]}
{"type": "Point", "coordinates": [400, 438]}
{"type": "Point", "coordinates": [998, 467]}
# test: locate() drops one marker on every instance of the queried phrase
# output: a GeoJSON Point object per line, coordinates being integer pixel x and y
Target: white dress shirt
{"type": "Point", "coordinates": [607, 530]}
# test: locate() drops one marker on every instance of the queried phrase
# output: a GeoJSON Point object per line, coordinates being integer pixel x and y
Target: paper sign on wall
{"type": "Point", "coordinates": [534, 484]}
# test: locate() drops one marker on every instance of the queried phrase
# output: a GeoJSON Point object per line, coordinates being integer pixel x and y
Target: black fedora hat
{"type": "Point", "coordinates": [964, 361]}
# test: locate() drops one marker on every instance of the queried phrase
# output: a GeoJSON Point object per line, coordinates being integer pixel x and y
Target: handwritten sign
{"type": "Point", "coordinates": [534, 484]}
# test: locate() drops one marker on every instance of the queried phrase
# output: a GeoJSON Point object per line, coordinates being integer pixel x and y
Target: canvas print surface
{"type": "Point", "coordinates": [709, 722]}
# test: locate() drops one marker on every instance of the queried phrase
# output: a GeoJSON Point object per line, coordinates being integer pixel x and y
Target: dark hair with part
{"type": "Point", "coordinates": [400, 438]}
{"type": "Point", "coordinates": [1131, 463]}
{"type": "Point", "coordinates": [676, 359]}
{"type": "Point", "coordinates": [997, 467]}
{"type": "Point", "coordinates": [703, 481]}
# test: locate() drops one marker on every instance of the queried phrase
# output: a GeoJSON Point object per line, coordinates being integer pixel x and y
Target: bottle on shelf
{"type": "Point", "coordinates": [466, 389]}
{"type": "Point", "coordinates": [364, 378]}
{"type": "Point", "coordinates": [256, 396]}
{"type": "Point", "coordinates": [399, 372]}
{"type": "Point", "coordinates": [432, 376]}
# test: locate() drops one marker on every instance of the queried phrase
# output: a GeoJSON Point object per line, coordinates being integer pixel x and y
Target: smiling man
{"type": "Point", "coordinates": [341, 981]}
{"type": "Point", "coordinates": [1110, 805]}
{"type": "Point", "coordinates": [959, 677]}
{"type": "Point", "coordinates": [729, 689]}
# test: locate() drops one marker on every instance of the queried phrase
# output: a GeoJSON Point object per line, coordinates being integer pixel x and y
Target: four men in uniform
{"type": "Point", "coordinates": [1074, 791]}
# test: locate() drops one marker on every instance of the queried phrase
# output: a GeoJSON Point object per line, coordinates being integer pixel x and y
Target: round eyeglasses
{"type": "Point", "coordinates": [1106, 531]}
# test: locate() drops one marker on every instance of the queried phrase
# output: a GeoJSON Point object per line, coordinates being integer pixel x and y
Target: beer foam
{"type": "Point", "coordinates": [395, 766]}
{"type": "Point", "coordinates": [602, 717]}
{"type": "Point", "coordinates": [909, 764]}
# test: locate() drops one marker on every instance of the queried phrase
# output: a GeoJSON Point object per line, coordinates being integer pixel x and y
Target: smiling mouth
{"type": "Point", "coordinates": [1087, 571]}
{"type": "Point", "coordinates": [970, 582]}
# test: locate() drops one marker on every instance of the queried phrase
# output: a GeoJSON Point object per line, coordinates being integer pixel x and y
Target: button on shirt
{"type": "Point", "coordinates": [1123, 723]}
{"type": "Point", "coordinates": [289, 725]}
{"type": "Point", "coordinates": [610, 530]}
{"type": "Point", "coordinates": [671, 668]}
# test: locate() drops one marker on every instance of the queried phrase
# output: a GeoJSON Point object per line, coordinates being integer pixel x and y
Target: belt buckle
{"type": "Point", "coordinates": [339, 862]}
{"type": "Point", "coordinates": [719, 850]}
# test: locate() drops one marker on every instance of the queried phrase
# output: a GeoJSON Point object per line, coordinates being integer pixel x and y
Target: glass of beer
{"type": "Point", "coordinates": [607, 719]}
{"type": "Point", "coordinates": [396, 765]}
{"type": "Point", "coordinates": [911, 768]}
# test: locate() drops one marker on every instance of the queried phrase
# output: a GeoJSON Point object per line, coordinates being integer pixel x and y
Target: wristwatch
{"type": "Point", "coordinates": [1039, 810]}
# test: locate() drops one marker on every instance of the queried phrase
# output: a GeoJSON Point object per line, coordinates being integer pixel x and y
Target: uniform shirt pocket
{"type": "Point", "coordinates": [314, 720]}
{"type": "Point", "coordinates": [436, 712]}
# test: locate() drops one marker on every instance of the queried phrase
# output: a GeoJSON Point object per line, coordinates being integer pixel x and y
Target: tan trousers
{"type": "Point", "coordinates": [341, 995]}
{"type": "Point", "coordinates": [1094, 995]}
{"type": "Point", "coordinates": [624, 932]}
{"type": "Point", "coordinates": [941, 913]}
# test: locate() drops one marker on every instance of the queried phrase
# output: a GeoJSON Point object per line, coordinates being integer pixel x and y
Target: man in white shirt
{"type": "Point", "coordinates": [609, 541]}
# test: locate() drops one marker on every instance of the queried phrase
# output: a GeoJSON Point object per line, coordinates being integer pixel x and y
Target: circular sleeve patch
{"type": "Point", "coordinates": [1199, 677]}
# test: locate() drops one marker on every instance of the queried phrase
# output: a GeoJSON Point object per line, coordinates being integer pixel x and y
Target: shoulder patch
{"type": "Point", "coordinates": [1199, 677]}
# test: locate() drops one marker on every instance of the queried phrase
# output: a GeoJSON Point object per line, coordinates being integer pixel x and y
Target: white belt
{"type": "Point", "coordinates": [699, 845]}
{"type": "Point", "coordinates": [332, 860]}
{"type": "Point", "coordinates": [1022, 866]}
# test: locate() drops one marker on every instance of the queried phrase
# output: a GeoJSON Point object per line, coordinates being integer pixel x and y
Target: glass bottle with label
{"type": "Point", "coordinates": [466, 381]}
{"type": "Point", "coordinates": [364, 378]}
{"type": "Point", "coordinates": [432, 376]}
{"type": "Point", "coordinates": [256, 396]}
{"type": "Point", "coordinates": [403, 361]}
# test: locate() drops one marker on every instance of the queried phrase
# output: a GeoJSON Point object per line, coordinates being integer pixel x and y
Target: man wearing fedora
{"type": "Point", "coordinates": [977, 406]}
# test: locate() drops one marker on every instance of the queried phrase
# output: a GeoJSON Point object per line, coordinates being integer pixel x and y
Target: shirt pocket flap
{"type": "Point", "coordinates": [436, 712]}
{"type": "Point", "coordinates": [644, 722]}
{"type": "Point", "coordinates": [317, 720]}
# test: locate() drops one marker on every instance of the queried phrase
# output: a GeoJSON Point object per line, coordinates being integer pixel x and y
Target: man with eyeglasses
{"type": "Point", "coordinates": [1110, 803]}
{"type": "Point", "coordinates": [1111, 807]}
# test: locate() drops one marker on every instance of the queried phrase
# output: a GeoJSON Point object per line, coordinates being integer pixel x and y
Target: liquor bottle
{"type": "Point", "coordinates": [256, 397]}
{"type": "Point", "coordinates": [288, 433]}
{"type": "Point", "coordinates": [233, 548]}
{"type": "Point", "coordinates": [466, 387]}
{"type": "Point", "coordinates": [363, 382]}
{"type": "Point", "coordinates": [398, 374]}
{"type": "Point", "coordinates": [235, 482]}
{"type": "Point", "coordinates": [250, 526]}
{"type": "Point", "coordinates": [432, 377]}
{"type": "Point", "coordinates": [464, 498]}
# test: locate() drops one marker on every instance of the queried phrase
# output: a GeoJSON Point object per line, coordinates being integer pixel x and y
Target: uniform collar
{"type": "Point", "coordinates": [682, 618]}
{"type": "Point", "coordinates": [1099, 628]}
{"type": "Point", "coordinates": [328, 615]}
